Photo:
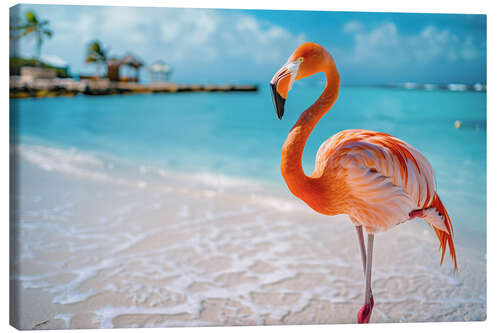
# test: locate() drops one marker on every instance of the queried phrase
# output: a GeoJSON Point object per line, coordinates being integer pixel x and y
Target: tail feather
{"type": "Point", "coordinates": [445, 234]}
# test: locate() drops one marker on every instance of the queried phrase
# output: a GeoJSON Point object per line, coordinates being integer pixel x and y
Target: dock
{"type": "Point", "coordinates": [22, 88]}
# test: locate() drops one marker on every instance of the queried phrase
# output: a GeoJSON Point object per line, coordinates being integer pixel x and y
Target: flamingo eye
{"type": "Point", "coordinates": [301, 59]}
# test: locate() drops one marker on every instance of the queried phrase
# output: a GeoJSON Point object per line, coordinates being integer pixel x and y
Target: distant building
{"type": "Point", "coordinates": [32, 73]}
{"type": "Point", "coordinates": [116, 71]}
{"type": "Point", "coordinates": [159, 72]}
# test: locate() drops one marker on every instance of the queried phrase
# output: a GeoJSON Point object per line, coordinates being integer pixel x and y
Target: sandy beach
{"type": "Point", "coordinates": [95, 245]}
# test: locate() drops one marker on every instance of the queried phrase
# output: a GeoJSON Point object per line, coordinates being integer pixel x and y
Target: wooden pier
{"type": "Point", "coordinates": [20, 88]}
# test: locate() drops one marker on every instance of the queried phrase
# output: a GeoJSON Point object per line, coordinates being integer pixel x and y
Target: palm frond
{"type": "Point", "coordinates": [31, 17]}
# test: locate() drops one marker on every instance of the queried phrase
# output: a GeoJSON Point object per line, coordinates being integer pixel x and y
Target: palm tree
{"type": "Point", "coordinates": [96, 54]}
{"type": "Point", "coordinates": [34, 27]}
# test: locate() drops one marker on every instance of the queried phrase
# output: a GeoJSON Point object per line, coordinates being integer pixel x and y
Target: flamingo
{"type": "Point", "coordinates": [376, 179]}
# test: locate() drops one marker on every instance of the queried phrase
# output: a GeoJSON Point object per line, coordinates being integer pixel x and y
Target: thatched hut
{"type": "Point", "coordinates": [129, 61]}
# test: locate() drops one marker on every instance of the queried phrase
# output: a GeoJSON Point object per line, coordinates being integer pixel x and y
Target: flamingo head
{"type": "Point", "coordinates": [308, 59]}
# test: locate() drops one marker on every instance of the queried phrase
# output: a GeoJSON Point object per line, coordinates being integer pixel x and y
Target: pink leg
{"type": "Point", "coordinates": [362, 250]}
{"type": "Point", "coordinates": [366, 310]}
{"type": "Point", "coordinates": [361, 241]}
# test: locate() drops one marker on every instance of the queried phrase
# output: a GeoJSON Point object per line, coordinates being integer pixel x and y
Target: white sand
{"type": "Point", "coordinates": [97, 247]}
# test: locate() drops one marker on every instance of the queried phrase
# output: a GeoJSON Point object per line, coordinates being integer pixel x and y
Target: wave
{"type": "Point", "coordinates": [105, 167]}
{"type": "Point", "coordinates": [102, 167]}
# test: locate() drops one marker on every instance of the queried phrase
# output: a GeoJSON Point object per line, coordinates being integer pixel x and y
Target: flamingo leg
{"type": "Point", "coordinates": [368, 274]}
{"type": "Point", "coordinates": [361, 241]}
{"type": "Point", "coordinates": [366, 310]}
{"type": "Point", "coordinates": [362, 250]}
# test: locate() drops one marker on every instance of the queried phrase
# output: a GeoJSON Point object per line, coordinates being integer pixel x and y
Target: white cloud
{"type": "Point", "coordinates": [375, 44]}
{"type": "Point", "coordinates": [176, 35]}
{"type": "Point", "coordinates": [469, 50]}
{"type": "Point", "coordinates": [189, 32]}
{"type": "Point", "coordinates": [385, 45]}
{"type": "Point", "coordinates": [260, 41]}
{"type": "Point", "coordinates": [212, 34]}
{"type": "Point", "coordinates": [353, 26]}
{"type": "Point", "coordinates": [247, 23]}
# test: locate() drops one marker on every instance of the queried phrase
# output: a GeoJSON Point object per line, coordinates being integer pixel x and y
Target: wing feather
{"type": "Point", "coordinates": [387, 177]}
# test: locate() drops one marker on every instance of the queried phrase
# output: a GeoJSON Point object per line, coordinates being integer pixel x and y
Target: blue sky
{"type": "Point", "coordinates": [213, 45]}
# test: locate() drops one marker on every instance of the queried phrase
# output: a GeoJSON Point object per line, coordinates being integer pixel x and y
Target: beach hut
{"type": "Point", "coordinates": [113, 72]}
{"type": "Point", "coordinates": [159, 71]}
{"type": "Point", "coordinates": [131, 61]}
{"type": "Point", "coordinates": [117, 67]}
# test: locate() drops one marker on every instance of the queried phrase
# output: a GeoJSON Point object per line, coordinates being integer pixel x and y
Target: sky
{"type": "Point", "coordinates": [249, 46]}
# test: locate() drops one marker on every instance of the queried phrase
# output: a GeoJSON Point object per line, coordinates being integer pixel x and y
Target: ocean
{"type": "Point", "coordinates": [237, 136]}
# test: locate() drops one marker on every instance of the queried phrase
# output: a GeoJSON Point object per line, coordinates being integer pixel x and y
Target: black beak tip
{"type": "Point", "coordinates": [279, 102]}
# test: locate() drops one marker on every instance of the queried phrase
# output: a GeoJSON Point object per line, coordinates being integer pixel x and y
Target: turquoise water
{"type": "Point", "coordinates": [239, 135]}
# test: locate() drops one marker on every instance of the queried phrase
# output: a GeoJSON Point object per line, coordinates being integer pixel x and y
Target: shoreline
{"type": "Point", "coordinates": [100, 251]}
{"type": "Point", "coordinates": [146, 174]}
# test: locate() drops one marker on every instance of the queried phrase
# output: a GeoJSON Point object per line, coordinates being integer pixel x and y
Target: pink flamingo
{"type": "Point", "coordinates": [378, 180]}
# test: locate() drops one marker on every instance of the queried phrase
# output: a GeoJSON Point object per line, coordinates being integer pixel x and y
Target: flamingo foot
{"type": "Point", "coordinates": [365, 312]}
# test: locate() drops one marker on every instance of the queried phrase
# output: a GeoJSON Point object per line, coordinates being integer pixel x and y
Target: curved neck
{"type": "Point", "coordinates": [291, 153]}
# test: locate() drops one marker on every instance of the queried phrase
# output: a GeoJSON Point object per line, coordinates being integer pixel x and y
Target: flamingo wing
{"type": "Point", "coordinates": [389, 182]}
{"type": "Point", "coordinates": [386, 177]}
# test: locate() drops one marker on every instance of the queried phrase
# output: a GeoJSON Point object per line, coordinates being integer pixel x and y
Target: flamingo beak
{"type": "Point", "coordinates": [281, 83]}
{"type": "Point", "coordinates": [279, 102]}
